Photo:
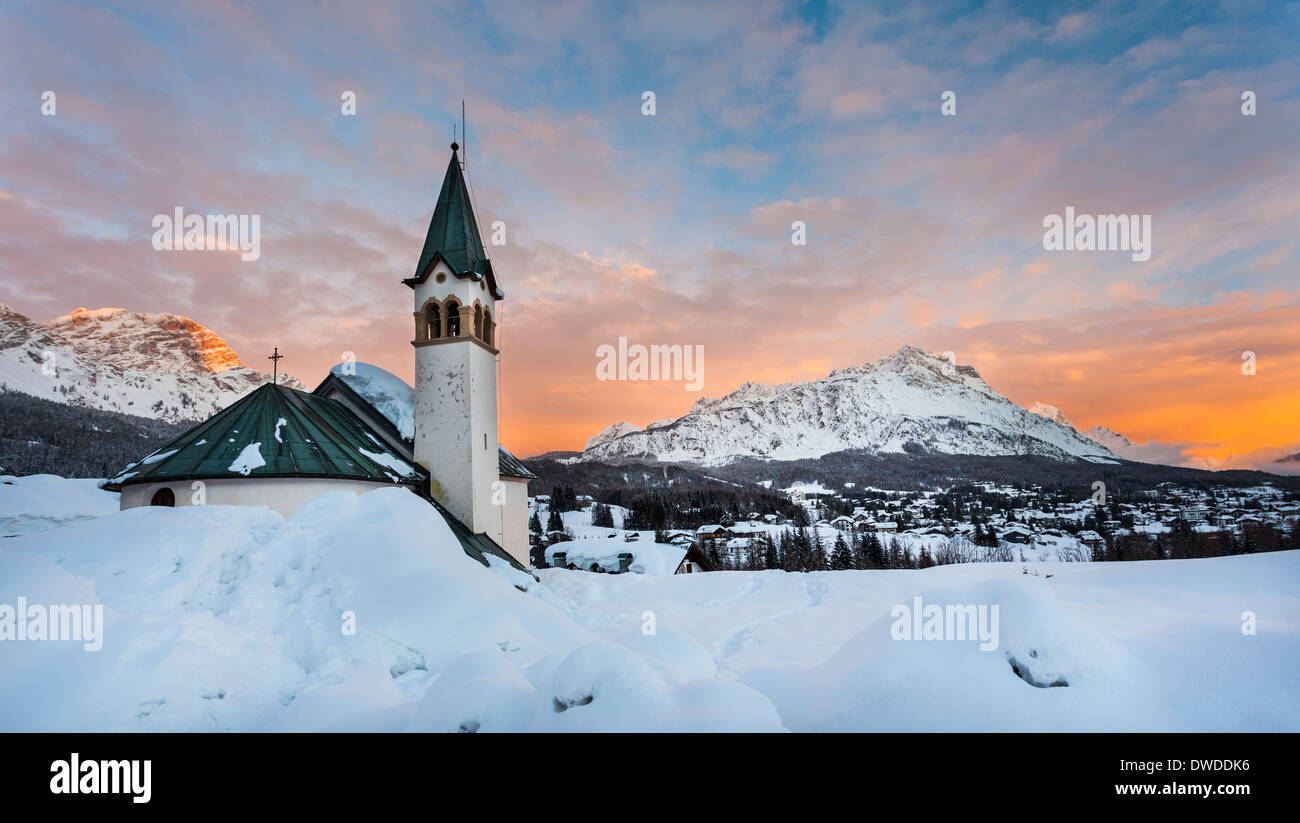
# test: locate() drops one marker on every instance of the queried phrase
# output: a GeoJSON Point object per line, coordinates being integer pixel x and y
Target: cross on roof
{"type": "Point", "coordinates": [275, 365]}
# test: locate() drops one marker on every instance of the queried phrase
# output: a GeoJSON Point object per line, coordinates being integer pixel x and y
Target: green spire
{"type": "Point", "coordinates": [453, 231]}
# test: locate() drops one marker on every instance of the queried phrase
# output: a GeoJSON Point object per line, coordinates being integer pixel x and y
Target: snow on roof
{"type": "Point", "coordinates": [394, 399]}
{"type": "Point", "coordinates": [389, 461]}
{"type": "Point", "coordinates": [389, 394]}
{"type": "Point", "coordinates": [250, 457]}
{"type": "Point", "coordinates": [647, 558]}
{"type": "Point", "coordinates": [273, 431]}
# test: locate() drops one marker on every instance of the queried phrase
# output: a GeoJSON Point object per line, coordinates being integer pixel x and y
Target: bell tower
{"type": "Point", "coordinates": [455, 294]}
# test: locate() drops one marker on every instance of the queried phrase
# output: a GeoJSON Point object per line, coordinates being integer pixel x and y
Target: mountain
{"type": "Point", "coordinates": [1051, 413]}
{"type": "Point", "coordinates": [160, 366]}
{"type": "Point", "coordinates": [612, 433]}
{"type": "Point", "coordinates": [910, 402]}
{"type": "Point", "coordinates": [1112, 440]}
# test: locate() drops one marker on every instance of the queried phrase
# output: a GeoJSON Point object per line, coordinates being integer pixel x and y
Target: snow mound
{"type": "Point", "coordinates": [363, 613]}
{"type": "Point", "coordinates": [596, 687]}
{"type": "Point", "coordinates": [1051, 671]}
{"type": "Point", "coordinates": [43, 501]}
{"type": "Point", "coordinates": [859, 687]}
{"type": "Point", "coordinates": [355, 613]}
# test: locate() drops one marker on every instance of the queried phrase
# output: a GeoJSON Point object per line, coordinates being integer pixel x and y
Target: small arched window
{"type": "Point", "coordinates": [453, 318]}
{"type": "Point", "coordinates": [432, 322]}
{"type": "Point", "coordinates": [163, 497]}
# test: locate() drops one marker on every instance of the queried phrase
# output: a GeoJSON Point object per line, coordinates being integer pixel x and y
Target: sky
{"type": "Point", "coordinates": [676, 227]}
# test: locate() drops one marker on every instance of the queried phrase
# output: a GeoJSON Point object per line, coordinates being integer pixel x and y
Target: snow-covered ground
{"type": "Point", "coordinates": [37, 502]}
{"type": "Point", "coordinates": [225, 617]}
{"type": "Point", "coordinates": [1143, 646]}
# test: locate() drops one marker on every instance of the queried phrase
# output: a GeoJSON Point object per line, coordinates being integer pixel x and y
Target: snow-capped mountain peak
{"type": "Point", "coordinates": [611, 433]}
{"type": "Point", "coordinates": [136, 340]}
{"type": "Point", "coordinates": [154, 365]}
{"type": "Point", "coordinates": [1112, 440]}
{"type": "Point", "coordinates": [911, 400]}
{"type": "Point", "coordinates": [1051, 413]}
{"type": "Point", "coordinates": [747, 392]}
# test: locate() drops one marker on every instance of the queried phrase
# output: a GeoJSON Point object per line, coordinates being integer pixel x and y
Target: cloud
{"type": "Point", "coordinates": [1069, 27]}
{"type": "Point", "coordinates": [675, 228]}
{"type": "Point", "coordinates": [737, 158]}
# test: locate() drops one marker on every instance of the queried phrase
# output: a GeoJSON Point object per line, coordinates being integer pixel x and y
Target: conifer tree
{"type": "Point", "coordinates": [841, 557]}
{"type": "Point", "coordinates": [770, 558]}
{"type": "Point", "coordinates": [789, 552]}
{"type": "Point", "coordinates": [602, 515]}
{"type": "Point", "coordinates": [859, 548]}
{"type": "Point", "coordinates": [815, 554]}
{"type": "Point", "coordinates": [875, 552]}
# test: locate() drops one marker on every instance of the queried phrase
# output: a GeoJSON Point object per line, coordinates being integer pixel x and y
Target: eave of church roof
{"type": "Point", "coordinates": [298, 435]}
{"type": "Point", "coordinates": [510, 466]}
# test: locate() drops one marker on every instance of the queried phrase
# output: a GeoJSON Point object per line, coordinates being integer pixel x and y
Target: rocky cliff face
{"type": "Point", "coordinates": [162, 366]}
{"type": "Point", "coordinates": [151, 342]}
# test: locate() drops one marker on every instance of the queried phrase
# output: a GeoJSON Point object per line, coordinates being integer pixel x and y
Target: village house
{"type": "Point", "coordinates": [709, 534]}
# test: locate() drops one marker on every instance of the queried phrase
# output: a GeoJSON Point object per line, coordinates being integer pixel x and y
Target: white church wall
{"type": "Point", "coordinates": [514, 520]}
{"type": "Point", "coordinates": [442, 424]}
{"type": "Point", "coordinates": [283, 494]}
{"type": "Point", "coordinates": [486, 460]}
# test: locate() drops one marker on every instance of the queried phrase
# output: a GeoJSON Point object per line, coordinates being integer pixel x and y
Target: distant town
{"type": "Point", "coordinates": [871, 528]}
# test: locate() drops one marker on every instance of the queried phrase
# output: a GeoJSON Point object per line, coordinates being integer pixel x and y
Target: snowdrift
{"type": "Point", "coordinates": [362, 613]}
{"type": "Point", "coordinates": [235, 618]}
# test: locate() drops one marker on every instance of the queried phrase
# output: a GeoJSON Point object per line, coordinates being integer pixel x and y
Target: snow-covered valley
{"type": "Point", "coordinates": [363, 613]}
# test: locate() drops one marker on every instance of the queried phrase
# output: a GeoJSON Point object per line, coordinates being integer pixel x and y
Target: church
{"type": "Point", "coordinates": [363, 428]}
